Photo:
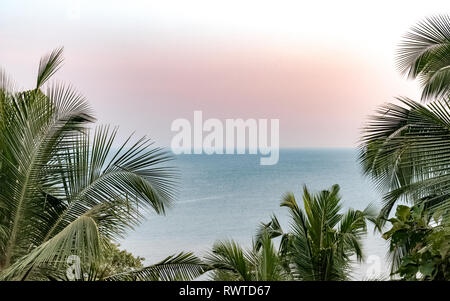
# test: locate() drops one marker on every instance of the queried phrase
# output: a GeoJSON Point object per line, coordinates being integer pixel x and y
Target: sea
{"type": "Point", "coordinates": [228, 196]}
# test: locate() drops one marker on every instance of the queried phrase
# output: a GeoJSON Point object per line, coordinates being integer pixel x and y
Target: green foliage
{"type": "Point", "coordinates": [120, 265]}
{"type": "Point", "coordinates": [322, 240]}
{"type": "Point", "coordinates": [115, 261]}
{"type": "Point", "coordinates": [66, 189]}
{"type": "Point", "coordinates": [180, 267]}
{"type": "Point", "coordinates": [319, 245]}
{"type": "Point", "coordinates": [405, 149]}
{"type": "Point", "coordinates": [425, 54]}
{"type": "Point", "coordinates": [422, 241]}
{"type": "Point", "coordinates": [230, 262]}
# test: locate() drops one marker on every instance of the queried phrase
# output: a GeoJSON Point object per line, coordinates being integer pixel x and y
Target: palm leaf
{"type": "Point", "coordinates": [405, 150]}
{"type": "Point", "coordinates": [48, 65]}
{"type": "Point", "coordinates": [38, 129]}
{"type": "Point", "coordinates": [425, 53]}
{"type": "Point", "coordinates": [63, 190]}
{"type": "Point", "coordinates": [184, 266]}
{"type": "Point", "coordinates": [229, 257]}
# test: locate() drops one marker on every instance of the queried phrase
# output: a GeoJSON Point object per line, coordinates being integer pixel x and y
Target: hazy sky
{"type": "Point", "coordinates": [319, 66]}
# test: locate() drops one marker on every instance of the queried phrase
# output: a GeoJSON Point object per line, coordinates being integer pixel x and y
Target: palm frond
{"type": "Point", "coordinates": [272, 228]}
{"type": "Point", "coordinates": [267, 261]}
{"type": "Point", "coordinates": [406, 152]}
{"type": "Point", "coordinates": [425, 53]}
{"type": "Point", "coordinates": [116, 185]}
{"type": "Point", "coordinates": [230, 258]}
{"type": "Point", "coordinates": [352, 229]}
{"type": "Point", "coordinates": [38, 130]}
{"type": "Point", "coordinates": [183, 267]}
{"type": "Point", "coordinates": [80, 238]}
{"type": "Point", "coordinates": [48, 65]}
{"type": "Point", "coordinates": [63, 190]}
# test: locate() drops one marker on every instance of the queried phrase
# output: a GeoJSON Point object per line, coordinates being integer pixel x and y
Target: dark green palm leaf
{"type": "Point", "coordinates": [63, 190]}
{"type": "Point", "coordinates": [183, 267]}
{"type": "Point", "coordinates": [405, 149]}
{"type": "Point", "coordinates": [425, 54]}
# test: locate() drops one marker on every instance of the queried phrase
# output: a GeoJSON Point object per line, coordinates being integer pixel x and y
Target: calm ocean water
{"type": "Point", "coordinates": [227, 196]}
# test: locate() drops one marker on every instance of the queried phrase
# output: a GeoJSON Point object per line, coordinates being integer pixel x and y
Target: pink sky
{"type": "Point", "coordinates": [320, 71]}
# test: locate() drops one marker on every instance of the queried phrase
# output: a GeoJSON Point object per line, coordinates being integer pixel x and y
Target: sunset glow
{"type": "Point", "coordinates": [314, 65]}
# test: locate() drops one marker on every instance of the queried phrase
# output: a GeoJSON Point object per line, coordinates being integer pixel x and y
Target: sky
{"type": "Point", "coordinates": [320, 67]}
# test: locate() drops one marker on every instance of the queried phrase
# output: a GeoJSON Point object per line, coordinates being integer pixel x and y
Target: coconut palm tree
{"type": "Point", "coordinates": [322, 241]}
{"type": "Point", "coordinates": [405, 146]}
{"type": "Point", "coordinates": [406, 151]}
{"type": "Point", "coordinates": [425, 54]}
{"type": "Point", "coordinates": [230, 262]}
{"type": "Point", "coordinates": [319, 246]}
{"type": "Point", "coordinates": [66, 189]}
{"type": "Point", "coordinates": [183, 266]}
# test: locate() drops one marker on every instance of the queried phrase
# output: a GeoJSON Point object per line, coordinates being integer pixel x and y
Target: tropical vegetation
{"type": "Point", "coordinates": [405, 149]}
{"type": "Point", "coordinates": [67, 189]}
{"type": "Point", "coordinates": [320, 245]}
{"type": "Point", "coordinates": [419, 244]}
{"type": "Point", "coordinates": [424, 54]}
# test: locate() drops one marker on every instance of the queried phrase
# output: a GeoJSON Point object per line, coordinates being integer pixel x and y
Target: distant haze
{"type": "Point", "coordinates": [319, 66]}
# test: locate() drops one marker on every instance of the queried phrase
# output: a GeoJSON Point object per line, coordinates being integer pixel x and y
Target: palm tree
{"type": "Point", "coordinates": [322, 241]}
{"type": "Point", "coordinates": [183, 266]}
{"type": "Point", "coordinates": [319, 246]}
{"type": "Point", "coordinates": [230, 262]}
{"type": "Point", "coordinates": [180, 267]}
{"type": "Point", "coordinates": [67, 189]}
{"type": "Point", "coordinates": [425, 54]}
{"type": "Point", "coordinates": [406, 151]}
{"type": "Point", "coordinates": [405, 146]}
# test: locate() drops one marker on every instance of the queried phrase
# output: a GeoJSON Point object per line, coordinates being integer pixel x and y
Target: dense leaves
{"type": "Point", "coordinates": [405, 149]}
{"type": "Point", "coordinates": [422, 242]}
